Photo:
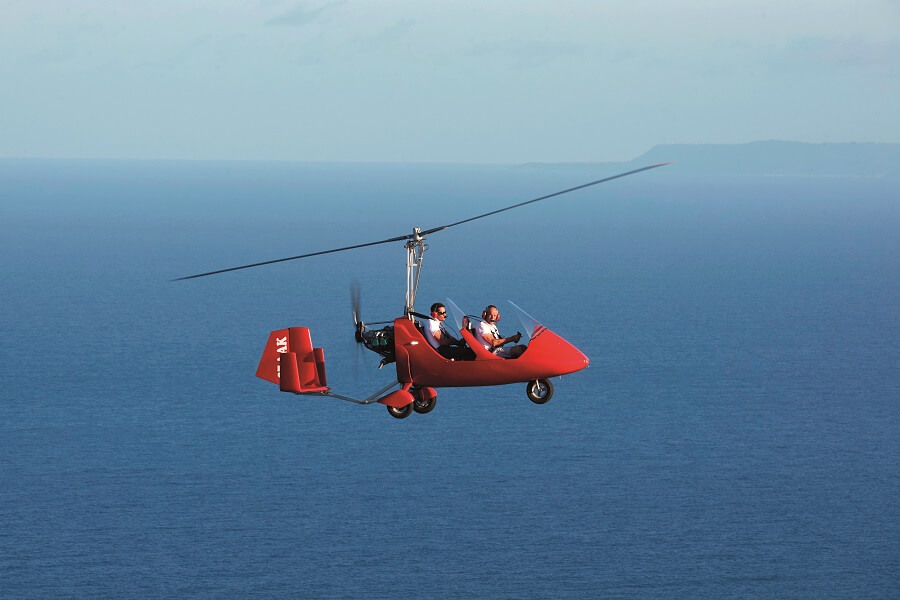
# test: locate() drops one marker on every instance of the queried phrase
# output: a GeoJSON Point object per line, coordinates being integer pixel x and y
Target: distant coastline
{"type": "Point", "coordinates": [769, 158]}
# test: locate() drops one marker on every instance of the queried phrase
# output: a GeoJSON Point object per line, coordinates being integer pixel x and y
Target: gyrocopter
{"type": "Point", "coordinates": [290, 361]}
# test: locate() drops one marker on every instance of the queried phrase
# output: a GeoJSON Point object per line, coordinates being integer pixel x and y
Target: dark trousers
{"type": "Point", "coordinates": [456, 352]}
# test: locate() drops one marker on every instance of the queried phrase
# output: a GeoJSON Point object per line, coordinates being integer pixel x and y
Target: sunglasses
{"type": "Point", "coordinates": [443, 313]}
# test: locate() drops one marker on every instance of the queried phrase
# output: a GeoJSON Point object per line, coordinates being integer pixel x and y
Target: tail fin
{"type": "Point", "coordinates": [290, 361]}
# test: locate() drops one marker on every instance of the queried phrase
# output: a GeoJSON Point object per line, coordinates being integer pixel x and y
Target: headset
{"type": "Point", "coordinates": [484, 313]}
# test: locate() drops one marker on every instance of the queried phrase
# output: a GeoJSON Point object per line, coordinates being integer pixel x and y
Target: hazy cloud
{"type": "Point", "coordinates": [527, 52]}
{"type": "Point", "coordinates": [302, 15]}
{"type": "Point", "coordinates": [844, 53]}
{"type": "Point", "coordinates": [395, 33]}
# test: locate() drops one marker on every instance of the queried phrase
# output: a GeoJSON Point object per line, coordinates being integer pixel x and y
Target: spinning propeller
{"type": "Point", "coordinates": [355, 303]}
{"type": "Point", "coordinates": [415, 237]}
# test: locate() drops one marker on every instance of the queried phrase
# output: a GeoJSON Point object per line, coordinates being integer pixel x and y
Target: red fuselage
{"type": "Point", "coordinates": [547, 355]}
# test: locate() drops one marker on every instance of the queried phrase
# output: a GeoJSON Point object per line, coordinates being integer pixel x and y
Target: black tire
{"type": "Point", "coordinates": [424, 406]}
{"type": "Point", "coordinates": [402, 412]}
{"type": "Point", "coordinates": [539, 391]}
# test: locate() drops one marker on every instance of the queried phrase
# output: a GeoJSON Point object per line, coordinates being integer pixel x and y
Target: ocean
{"type": "Point", "coordinates": [736, 434]}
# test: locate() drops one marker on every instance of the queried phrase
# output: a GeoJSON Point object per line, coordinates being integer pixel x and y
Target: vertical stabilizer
{"type": "Point", "coordinates": [290, 361]}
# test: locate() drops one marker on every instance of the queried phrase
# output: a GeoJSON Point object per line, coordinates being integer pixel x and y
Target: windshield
{"type": "Point", "coordinates": [454, 315]}
{"type": "Point", "coordinates": [530, 326]}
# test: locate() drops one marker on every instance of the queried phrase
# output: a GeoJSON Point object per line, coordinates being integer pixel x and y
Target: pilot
{"type": "Point", "coordinates": [441, 339]}
{"type": "Point", "coordinates": [489, 335]}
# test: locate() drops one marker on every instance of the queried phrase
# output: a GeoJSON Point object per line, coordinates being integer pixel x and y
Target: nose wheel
{"type": "Point", "coordinates": [539, 391]}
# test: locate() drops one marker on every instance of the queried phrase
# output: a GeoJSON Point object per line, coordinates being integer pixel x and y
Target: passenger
{"type": "Point", "coordinates": [489, 335]}
{"type": "Point", "coordinates": [441, 339]}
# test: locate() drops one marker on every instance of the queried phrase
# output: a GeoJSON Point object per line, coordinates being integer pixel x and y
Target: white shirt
{"type": "Point", "coordinates": [489, 330]}
{"type": "Point", "coordinates": [433, 326]}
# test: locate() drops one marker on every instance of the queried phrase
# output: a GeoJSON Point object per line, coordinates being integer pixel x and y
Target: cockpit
{"type": "Point", "coordinates": [468, 326]}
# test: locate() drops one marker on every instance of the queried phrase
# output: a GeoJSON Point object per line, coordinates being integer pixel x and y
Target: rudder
{"type": "Point", "coordinates": [290, 361]}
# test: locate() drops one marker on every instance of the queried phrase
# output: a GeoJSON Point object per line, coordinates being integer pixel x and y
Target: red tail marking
{"type": "Point", "coordinates": [270, 363]}
{"type": "Point", "coordinates": [290, 361]}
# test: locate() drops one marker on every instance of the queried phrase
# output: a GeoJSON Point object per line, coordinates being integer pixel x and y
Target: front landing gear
{"type": "Point", "coordinates": [539, 391]}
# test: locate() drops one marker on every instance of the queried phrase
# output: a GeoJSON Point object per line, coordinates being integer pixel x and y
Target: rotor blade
{"type": "Point", "coordinates": [270, 262]}
{"type": "Point", "coordinates": [580, 187]}
{"type": "Point", "coordinates": [402, 238]}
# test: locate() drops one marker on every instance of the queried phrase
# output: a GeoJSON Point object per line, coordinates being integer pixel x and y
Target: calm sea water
{"type": "Point", "coordinates": [736, 434]}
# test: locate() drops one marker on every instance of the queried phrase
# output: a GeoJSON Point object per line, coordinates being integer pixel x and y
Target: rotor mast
{"type": "Point", "coordinates": [415, 252]}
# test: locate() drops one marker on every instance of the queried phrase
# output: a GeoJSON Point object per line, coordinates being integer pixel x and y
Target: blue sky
{"type": "Point", "coordinates": [420, 81]}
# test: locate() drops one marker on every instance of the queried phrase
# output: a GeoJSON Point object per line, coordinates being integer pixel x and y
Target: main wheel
{"type": "Point", "coordinates": [539, 391]}
{"type": "Point", "coordinates": [402, 412]}
{"type": "Point", "coordinates": [424, 406]}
